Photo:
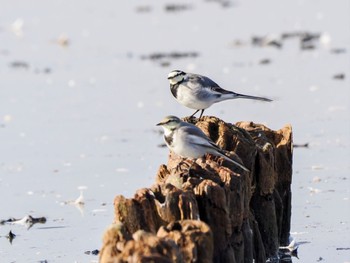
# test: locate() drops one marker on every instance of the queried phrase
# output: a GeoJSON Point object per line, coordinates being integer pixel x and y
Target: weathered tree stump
{"type": "Point", "coordinates": [210, 210]}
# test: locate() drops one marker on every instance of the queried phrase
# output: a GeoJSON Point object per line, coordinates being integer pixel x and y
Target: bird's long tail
{"type": "Point", "coordinates": [242, 96]}
{"type": "Point", "coordinates": [234, 162]}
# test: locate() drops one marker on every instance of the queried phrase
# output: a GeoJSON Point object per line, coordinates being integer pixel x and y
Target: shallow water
{"type": "Point", "coordinates": [84, 114]}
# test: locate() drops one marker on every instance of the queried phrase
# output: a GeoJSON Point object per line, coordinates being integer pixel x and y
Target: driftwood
{"type": "Point", "coordinates": [210, 210]}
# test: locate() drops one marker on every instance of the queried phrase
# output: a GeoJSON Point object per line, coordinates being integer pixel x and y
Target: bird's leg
{"type": "Point", "coordinates": [202, 111]}
{"type": "Point", "coordinates": [194, 113]}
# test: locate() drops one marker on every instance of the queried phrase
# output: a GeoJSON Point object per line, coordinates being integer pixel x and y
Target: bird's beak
{"type": "Point", "coordinates": [159, 124]}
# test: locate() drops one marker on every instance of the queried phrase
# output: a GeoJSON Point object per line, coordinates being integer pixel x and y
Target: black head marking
{"type": "Point", "coordinates": [175, 73]}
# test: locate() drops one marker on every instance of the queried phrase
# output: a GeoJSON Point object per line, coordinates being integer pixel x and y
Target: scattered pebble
{"type": "Point", "coordinates": [269, 40]}
{"type": "Point", "coordinates": [314, 190]}
{"type": "Point", "coordinates": [316, 179]}
{"type": "Point", "coordinates": [308, 40]}
{"type": "Point", "coordinates": [165, 64]}
{"type": "Point", "coordinates": [63, 40]}
{"type": "Point", "coordinates": [238, 43]}
{"type": "Point", "coordinates": [47, 70]}
{"type": "Point", "coordinates": [338, 50]}
{"type": "Point", "coordinates": [92, 252]}
{"type": "Point", "coordinates": [79, 201]}
{"type": "Point", "coordinates": [163, 58]}
{"type": "Point", "coordinates": [305, 145]}
{"type": "Point", "coordinates": [176, 7]}
{"type": "Point", "coordinates": [339, 76]}
{"type": "Point", "coordinates": [19, 64]}
{"type": "Point", "coordinates": [11, 236]}
{"type": "Point", "coordinates": [317, 167]}
{"type": "Point", "coordinates": [287, 35]}
{"type": "Point", "coordinates": [265, 61]}
{"type": "Point", "coordinates": [143, 9]}
{"type": "Point", "coordinates": [171, 55]}
{"type": "Point", "coordinates": [343, 248]}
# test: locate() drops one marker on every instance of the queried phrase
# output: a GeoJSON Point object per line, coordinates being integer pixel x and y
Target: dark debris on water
{"type": "Point", "coordinates": [265, 61]}
{"type": "Point", "coordinates": [339, 76]}
{"type": "Point", "coordinates": [343, 248]}
{"type": "Point", "coordinates": [27, 221]}
{"type": "Point", "coordinates": [307, 40]}
{"type": "Point", "coordinates": [18, 64]}
{"type": "Point", "coordinates": [164, 58]}
{"type": "Point", "coordinates": [304, 145]}
{"type": "Point", "coordinates": [23, 65]}
{"type": "Point", "coordinates": [11, 236]}
{"type": "Point", "coordinates": [176, 7]}
{"type": "Point", "coordinates": [170, 55]}
{"type": "Point", "coordinates": [92, 252]}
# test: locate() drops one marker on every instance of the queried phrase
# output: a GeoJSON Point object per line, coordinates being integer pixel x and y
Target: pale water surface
{"type": "Point", "coordinates": [83, 115]}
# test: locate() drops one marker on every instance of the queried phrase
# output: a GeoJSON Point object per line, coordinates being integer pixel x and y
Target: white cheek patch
{"type": "Point", "coordinates": [167, 132]}
{"type": "Point", "coordinates": [176, 79]}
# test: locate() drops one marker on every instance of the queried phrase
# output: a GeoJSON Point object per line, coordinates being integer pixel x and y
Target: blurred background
{"type": "Point", "coordinates": [83, 83]}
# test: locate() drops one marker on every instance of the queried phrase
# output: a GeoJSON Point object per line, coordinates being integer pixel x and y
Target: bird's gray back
{"type": "Point", "coordinates": [191, 131]}
{"type": "Point", "coordinates": [201, 87]}
{"type": "Point", "coordinates": [202, 81]}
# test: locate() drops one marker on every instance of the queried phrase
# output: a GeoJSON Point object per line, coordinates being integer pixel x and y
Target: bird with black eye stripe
{"type": "Point", "coordinates": [188, 141]}
{"type": "Point", "coordinates": [200, 92]}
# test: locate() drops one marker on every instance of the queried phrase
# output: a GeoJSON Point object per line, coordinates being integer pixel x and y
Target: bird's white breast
{"type": "Point", "coordinates": [189, 98]}
{"type": "Point", "coordinates": [183, 146]}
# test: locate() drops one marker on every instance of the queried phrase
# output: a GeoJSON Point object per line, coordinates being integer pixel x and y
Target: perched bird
{"type": "Point", "coordinates": [200, 92]}
{"type": "Point", "coordinates": [188, 141]}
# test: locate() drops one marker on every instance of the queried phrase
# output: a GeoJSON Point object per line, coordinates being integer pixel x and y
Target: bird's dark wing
{"type": "Point", "coordinates": [197, 137]}
{"type": "Point", "coordinates": [203, 81]}
{"type": "Point", "coordinates": [206, 82]}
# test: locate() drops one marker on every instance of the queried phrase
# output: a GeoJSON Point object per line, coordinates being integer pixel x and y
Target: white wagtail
{"type": "Point", "coordinates": [199, 92]}
{"type": "Point", "coordinates": [188, 141]}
